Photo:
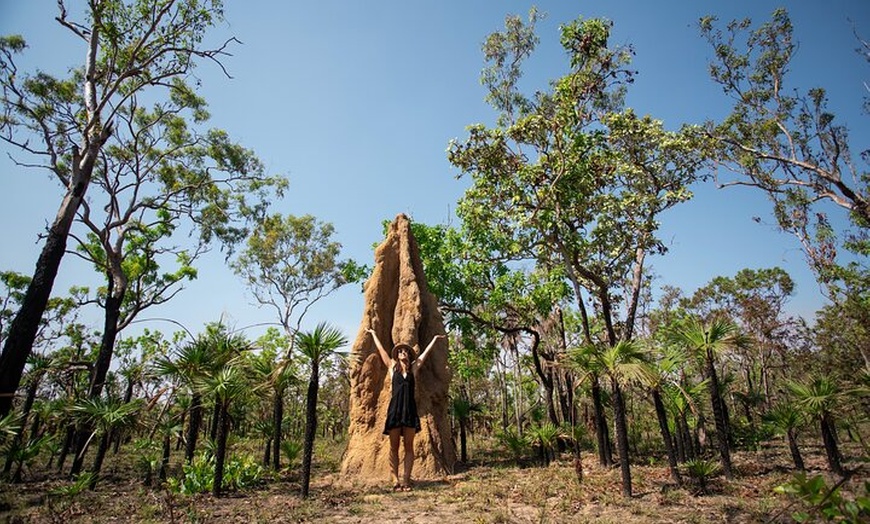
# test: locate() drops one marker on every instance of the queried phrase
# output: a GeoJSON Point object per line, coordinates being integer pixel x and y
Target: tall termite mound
{"type": "Point", "coordinates": [400, 308]}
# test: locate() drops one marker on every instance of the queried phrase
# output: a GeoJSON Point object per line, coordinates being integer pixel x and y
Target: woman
{"type": "Point", "coordinates": [402, 422]}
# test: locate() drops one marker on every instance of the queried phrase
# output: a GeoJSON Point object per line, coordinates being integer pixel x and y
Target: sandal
{"type": "Point", "coordinates": [397, 487]}
{"type": "Point", "coordinates": [407, 488]}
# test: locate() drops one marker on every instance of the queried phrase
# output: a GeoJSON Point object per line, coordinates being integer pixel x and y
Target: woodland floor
{"type": "Point", "coordinates": [485, 491]}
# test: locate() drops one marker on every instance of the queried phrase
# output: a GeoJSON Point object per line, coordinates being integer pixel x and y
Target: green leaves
{"type": "Point", "coordinates": [783, 140]}
{"type": "Point", "coordinates": [825, 502]}
{"type": "Point", "coordinates": [291, 262]}
{"type": "Point", "coordinates": [320, 343]}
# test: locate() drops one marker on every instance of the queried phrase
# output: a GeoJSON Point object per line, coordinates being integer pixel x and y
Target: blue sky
{"type": "Point", "coordinates": [355, 102]}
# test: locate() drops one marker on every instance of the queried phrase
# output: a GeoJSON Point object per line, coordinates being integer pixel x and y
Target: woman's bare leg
{"type": "Point", "coordinates": [408, 441]}
{"type": "Point", "coordinates": [395, 435]}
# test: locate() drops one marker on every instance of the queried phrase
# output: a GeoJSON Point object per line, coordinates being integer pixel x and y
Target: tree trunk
{"type": "Point", "coordinates": [98, 460]}
{"type": "Point", "coordinates": [662, 416]}
{"type": "Point", "coordinates": [67, 445]}
{"type": "Point", "coordinates": [310, 426]}
{"type": "Point", "coordinates": [267, 453]}
{"type": "Point", "coordinates": [829, 438]}
{"type": "Point", "coordinates": [215, 422]}
{"type": "Point", "coordinates": [25, 325]}
{"type": "Point", "coordinates": [164, 462]}
{"type": "Point", "coordinates": [566, 396]}
{"type": "Point", "coordinates": [25, 412]}
{"type": "Point", "coordinates": [221, 447]}
{"type": "Point", "coordinates": [605, 458]}
{"type": "Point", "coordinates": [277, 434]}
{"type": "Point", "coordinates": [180, 440]}
{"type": "Point", "coordinates": [463, 456]}
{"type": "Point", "coordinates": [117, 289]}
{"type": "Point", "coordinates": [193, 427]}
{"type": "Point", "coordinates": [622, 438]}
{"type": "Point", "coordinates": [23, 329]}
{"type": "Point", "coordinates": [795, 451]}
{"type": "Point", "coordinates": [80, 443]}
{"type": "Point", "coordinates": [722, 440]}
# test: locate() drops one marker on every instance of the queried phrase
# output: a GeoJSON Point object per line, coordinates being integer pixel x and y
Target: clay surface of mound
{"type": "Point", "coordinates": [400, 308]}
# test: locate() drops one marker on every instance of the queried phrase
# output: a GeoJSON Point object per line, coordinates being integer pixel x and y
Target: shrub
{"type": "Point", "coordinates": [239, 473]}
{"type": "Point", "coordinates": [826, 503]}
{"type": "Point", "coordinates": [701, 470]}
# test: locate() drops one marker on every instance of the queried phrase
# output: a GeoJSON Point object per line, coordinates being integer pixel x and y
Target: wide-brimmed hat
{"type": "Point", "coordinates": [395, 352]}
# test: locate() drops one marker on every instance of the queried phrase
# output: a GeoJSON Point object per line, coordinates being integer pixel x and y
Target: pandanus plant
{"type": "Point", "coordinates": [708, 341]}
{"type": "Point", "coordinates": [819, 397]}
{"type": "Point", "coordinates": [315, 346]}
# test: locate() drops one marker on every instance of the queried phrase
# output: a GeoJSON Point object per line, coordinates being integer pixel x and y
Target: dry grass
{"type": "Point", "coordinates": [484, 492]}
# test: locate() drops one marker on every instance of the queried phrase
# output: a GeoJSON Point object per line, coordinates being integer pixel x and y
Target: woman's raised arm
{"type": "Point", "coordinates": [422, 358]}
{"type": "Point", "coordinates": [385, 357]}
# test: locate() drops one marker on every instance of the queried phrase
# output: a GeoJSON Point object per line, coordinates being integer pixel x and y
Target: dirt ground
{"type": "Point", "coordinates": [481, 493]}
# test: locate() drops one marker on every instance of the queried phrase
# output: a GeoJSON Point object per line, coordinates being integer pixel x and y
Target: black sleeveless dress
{"type": "Point", "coordinates": [402, 412]}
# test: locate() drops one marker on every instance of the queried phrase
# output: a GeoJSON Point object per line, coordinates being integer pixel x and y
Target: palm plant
{"type": "Point", "coordinates": [671, 360]}
{"type": "Point", "coordinates": [292, 449]}
{"type": "Point", "coordinates": [188, 365]}
{"type": "Point", "coordinates": [585, 363]}
{"type": "Point", "coordinates": [623, 363]}
{"type": "Point", "coordinates": [22, 453]}
{"type": "Point", "coordinates": [818, 397]}
{"type": "Point", "coordinates": [277, 375]}
{"type": "Point", "coordinates": [104, 415]}
{"type": "Point", "coordinates": [462, 408]}
{"type": "Point", "coordinates": [546, 436]}
{"type": "Point", "coordinates": [226, 385]}
{"type": "Point", "coordinates": [701, 470]}
{"type": "Point", "coordinates": [514, 442]}
{"type": "Point", "coordinates": [39, 365]}
{"type": "Point", "coordinates": [708, 341]}
{"type": "Point", "coordinates": [786, 419]}
{"type": "Point", "coordinates": [315, 346]}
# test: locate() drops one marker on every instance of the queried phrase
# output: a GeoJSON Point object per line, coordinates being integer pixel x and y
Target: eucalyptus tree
{"type": "Point", "coordinates": [571, 176]}
{"type": "Point", "coordinates": [483, 295]}
{"type": "Point", "coordinates": [315, 346]}
{"type": "Point", "coordinates": [784, 141]}
{"type": "Point", "coordinates": [158, 173]}
{"type": "Point", "coordinates": [708, 341]}
{"type": "Point", "coordinates": [290, 263]}
{"type": "Point", "coordinates": [134, 49]}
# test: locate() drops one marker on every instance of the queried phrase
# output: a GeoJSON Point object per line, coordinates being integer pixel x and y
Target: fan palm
{"type": "Point", "coordinates": [39, 365]}
{"type": "Point", "coordinates": [315, 346]}
{"type": "Point", "coordinates": [707, 341]}
{"type": "Point", "coordinates": [277, 376]}
{"type": "Point", "coordinates": [818, 397]}
{"type": "Point", "coordinates": [786, 419]}
{"type": "Point", "coordinates": [225, 385]}
{"type": "Point", "coordinates": [546, 435]}
{"type": "Point", "coordinates": [671, 360]}
{"type": "Point", "coordinates": [583, 361]}
{"type": "Point", "coordinates": [462, 408]}
{"type": "Point", "coordinates": [624, 363]}
{"type": "Point", "coordinates": [105, 415]}
{"type": "Point", "coordinates": [189, 364]}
